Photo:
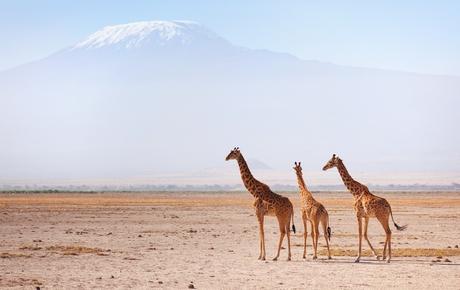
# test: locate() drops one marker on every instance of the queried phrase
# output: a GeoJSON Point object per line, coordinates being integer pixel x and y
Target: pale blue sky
{"type": "Point", "coordinates": [419, 36]}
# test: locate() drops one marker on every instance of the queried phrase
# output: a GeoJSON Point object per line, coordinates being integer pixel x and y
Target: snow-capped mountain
{"type": "Point", "coordinates": [154, 97]}
{"type": "Point", "coordinates": [148, 33]}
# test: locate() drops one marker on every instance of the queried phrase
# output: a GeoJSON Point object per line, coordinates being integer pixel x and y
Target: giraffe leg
{"type": "Point", "coordinates": [316, 231]}
{"type": "Point", "coordinates": [324, 224]}
{"type": "Point", "coordinates": [366, 222]}
{"type": "Point", "coordinates": [305, 234]}
{"type": "Point", "coordinates": [360, 239]}
{"type": "Point", "coordinates": [312, 238]}
{"type": "Point", "coordinates": [263, 243]}
{"type": "Point", "coordinates": [288, 235]}
{"type": "Point", "coordinates": [388, 233]}
{"type": "Point", "coordinates": [282, 233]}
{"type": "Point", "coordinates": [384, 255]}
{"type": "Point", "coordinates": [261, 236]}
{"type": "Point", "coordinates": [384, 221]}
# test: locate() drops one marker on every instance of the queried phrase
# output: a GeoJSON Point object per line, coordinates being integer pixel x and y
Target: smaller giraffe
{"type": "Point", "coordinates": [267, 203]}
{"type": "Point", "coordinates": [314, 212]}
{"type": "Point", "coordinates": [366, 206]}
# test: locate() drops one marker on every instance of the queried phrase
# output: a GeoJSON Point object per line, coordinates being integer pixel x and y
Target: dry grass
{"type": "Point", "coordinates": [195, 199]}
{"type": "Point", "coordinates": [69, 250]}
{"type": "Point", "coordinates": [19, 282]}
{"type": "Point", "coordinates": [76, 250]}
{"type": "Point", "coordinates": [6, 255]}
{"type": "Point", "coordinates": [30, 248]}
{"type": "Point", "coordinates": [399, 252]}
{"type": "Point", "coordinates": [109, 200]}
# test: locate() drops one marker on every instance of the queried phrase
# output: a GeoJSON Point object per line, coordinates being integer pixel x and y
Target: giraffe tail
{"type": "Point", "coordinates": [398, 227]}
{"type": "Point", "coordinates": [292, 217]}
{"type": "Point", "coordinates": [329, 232]}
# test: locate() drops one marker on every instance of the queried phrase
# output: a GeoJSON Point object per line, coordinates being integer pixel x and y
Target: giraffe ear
{"type": "Point", "coordinates": [299, 163]}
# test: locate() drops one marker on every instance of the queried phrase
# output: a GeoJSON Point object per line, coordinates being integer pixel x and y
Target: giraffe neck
{"type": "Point", "coordinates": [249, 181]}
{"type": "Point", "coordinates": [303, 188]}
{"type": "Point", "coordinates": [346, 177]}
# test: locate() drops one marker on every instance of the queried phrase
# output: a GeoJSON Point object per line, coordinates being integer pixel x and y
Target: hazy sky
{"type": "Point", "coordinates": [419, 36]}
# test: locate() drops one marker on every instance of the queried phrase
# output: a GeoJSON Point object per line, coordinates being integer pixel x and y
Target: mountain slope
{"type": "Point", "coordinates": [153, 97]}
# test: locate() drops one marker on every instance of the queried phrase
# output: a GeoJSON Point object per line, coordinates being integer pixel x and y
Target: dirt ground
{"type": "Point", "coordinates": [210, 241]}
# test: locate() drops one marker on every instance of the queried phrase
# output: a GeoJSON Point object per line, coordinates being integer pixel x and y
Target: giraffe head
{"type": "Point", "coordinates": [297, 168]}
{"type": "Point", "coordinates": [234, 154]}
{"type": "Point", "coordinates": [332, 162]}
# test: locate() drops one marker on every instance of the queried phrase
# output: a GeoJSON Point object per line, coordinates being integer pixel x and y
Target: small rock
{"type": "Point", "coordinates": [212, 248]}
{"type": "Point", "coordinates": [172, 249]}
{"type": "Point", "coordinates": [191, 286]}
{"type": "Point", "coordinates": [447, 260]}
{"type": "Point", "coordinates": [449, 247]}
{"type": "Point", "coordinates": [439, 257]}
{"type": "Point", "coordinates": [112, 277]}
{"type": "Point", "coordinates": [139, 236]}
{"type": "Point", "coordinates": [456, 246]}
{"type": "Point", "coordinates": [160, 282]}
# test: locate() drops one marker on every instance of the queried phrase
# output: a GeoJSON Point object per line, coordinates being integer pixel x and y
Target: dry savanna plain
{"type": "Point", "coordinates": [210, 241]}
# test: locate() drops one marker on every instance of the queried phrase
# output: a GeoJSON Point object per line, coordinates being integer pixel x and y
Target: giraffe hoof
{"type": "Point", "coordinates": [377, 257]}
{"type": "Point", "coordinates": [329, 258]}
{"type": "Point", "coordinates": [384, 258]}
{"type": "Point", "coordinates": [275, 258]}
{"type": "Point", "coordinates": [304, 257]}
{"type": "Point", "coordinates": [357, 260]}
{"type": "Point", "coordinates": [288, 259]}
{"type": "Point", "coordinates": [388, 261]}
{"type": "Point", "coordinates": [315, 257]}
{"type": "Point", "coordinates": [263, 259]}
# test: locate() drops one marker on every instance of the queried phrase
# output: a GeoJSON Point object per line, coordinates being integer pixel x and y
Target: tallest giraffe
{"type": "Point", "coordinates": [275, 204]}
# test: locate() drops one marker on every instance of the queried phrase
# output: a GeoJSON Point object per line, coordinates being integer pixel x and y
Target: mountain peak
{"type": "Point", "coordinates": [137, 34]}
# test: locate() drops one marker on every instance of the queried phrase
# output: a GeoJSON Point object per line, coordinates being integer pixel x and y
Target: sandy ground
{"type": "Point", "coordinates": [210, 241]}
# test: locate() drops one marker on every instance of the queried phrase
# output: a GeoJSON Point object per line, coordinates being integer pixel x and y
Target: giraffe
{"type": "Point", "coordinates": [366, 206]}
{"type": "Point", "coordinates": [314, 212]}
{"type": "Point", "coordinates": [267, 203]}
